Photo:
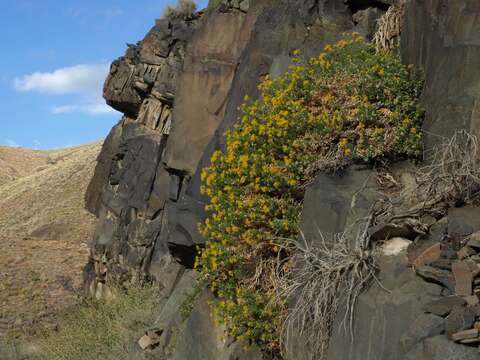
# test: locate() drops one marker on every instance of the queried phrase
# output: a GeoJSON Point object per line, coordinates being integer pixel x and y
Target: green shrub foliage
{"type": "Point", "coordinates": [351, 104]}
{"type": "Point", "coordinates": [185, 9]}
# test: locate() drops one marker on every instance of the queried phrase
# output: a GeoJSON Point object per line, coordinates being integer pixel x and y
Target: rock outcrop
{"type": "Point", "coordinates": [180, 89]}
{"type": "Point", "coordinates": [443, 39]}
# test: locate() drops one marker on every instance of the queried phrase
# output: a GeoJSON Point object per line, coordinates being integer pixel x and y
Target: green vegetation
{"type": "Point", "coordinates": [213, 4]}
{"type": "Point", "coordinates": [9, 350]}
{"type": "Point", "coordinates": [185, 9]}
{"type": "Point", "coordinates": [103, 329]}
{"type": "Point", "coordinates": [351, 104]}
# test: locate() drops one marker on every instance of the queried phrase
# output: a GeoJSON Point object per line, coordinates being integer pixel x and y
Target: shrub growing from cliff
{"type": "Point", "coordinates": [185, 9]}
{"type": "Point", "coordinates": [351, 104]}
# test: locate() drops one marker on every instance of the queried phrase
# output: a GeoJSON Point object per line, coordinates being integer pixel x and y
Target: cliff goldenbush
{"type": "Point", "coordinates": [350, 104]}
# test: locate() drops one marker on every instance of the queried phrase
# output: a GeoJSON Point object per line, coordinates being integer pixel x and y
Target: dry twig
{"type": "Point", "coordinates": [450, 177]}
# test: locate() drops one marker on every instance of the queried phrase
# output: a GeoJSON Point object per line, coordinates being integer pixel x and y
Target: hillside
{"type": "Point", "coordinates": [17, 162]}
{"type": "Point", "coordinates": [44, 230]}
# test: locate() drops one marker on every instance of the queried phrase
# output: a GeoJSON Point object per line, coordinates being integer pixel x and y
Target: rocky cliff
{"type": "Point", "coordinates": [180, 89]}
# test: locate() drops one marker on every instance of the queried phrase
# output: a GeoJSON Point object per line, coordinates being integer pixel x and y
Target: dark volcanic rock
{"type": "Point", "coordinates": [334, 202]}
{"type": "Point", "coordinates": [437, 276]}
{"type": "Point", "coordinates": [200, 339]}
{"type": "Point", "coordinates": [460, 318]}
{"type": "Point", "coordinates": [423, 327]}
{"type": "Point", "coordinates": [443, 38]}
{"type": "Point", "coordinates": [204, 85]}
{"type": "Point", "coordinates": [387, 325]}
{"type": "Point", "coordinates": [463, 221]}
{"type": "Point", "coordinates": [440, 348]}
{"type": "Point", "coordinates": [130, 187]}
{"type": "Point", "coordinates": [424, 252]}
{"type": "Point", "coordinates": [180, 89]}
{"type": "Point", "coordinates": [444, 305]}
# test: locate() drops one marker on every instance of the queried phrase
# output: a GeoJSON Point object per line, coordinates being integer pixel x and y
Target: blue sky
{"type": "Point", "coordinates": [55, 55]}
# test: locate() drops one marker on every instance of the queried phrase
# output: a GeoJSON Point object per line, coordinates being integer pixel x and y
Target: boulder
{"type": "Point", "coordinates": [204, 85]}
{"type": "Point", "coordinates": [423, 327]}
{"type": "Point", "coordinates": [463, 221]}
{"type": "Point", "coordinates": [440, 348]}
{"type": "Point", "coordinates": [335, 201]}
{"type": "Point", "coordinates": [199, 338]}
{"type": "Point", "coordinates": [424, 252]}
{"type": "Point", "coordinates": [444, 305]}
{"type": "Point", "coordinates": [437, 276]}
{"type": "Point", "coordinates": [463, 278]}
{"type": "Point", "coordinates": [460, 318]}
{"type": "Point", "coordinates": [388, 323]}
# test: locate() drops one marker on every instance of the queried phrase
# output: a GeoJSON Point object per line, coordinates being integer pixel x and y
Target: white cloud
{"type": "Point", "coordinates": [84, 82]}
{"type": "Point", "coordinates": [112, 12]}
{"type": "Point", "coordinates": [78, 79]}
{"type": "Point", "coordinates": [92, 109]}
{"type": "Point", "coordinates": [11, 143]}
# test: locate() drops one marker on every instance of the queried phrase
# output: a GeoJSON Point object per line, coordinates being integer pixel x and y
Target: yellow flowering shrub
{"type": "Point", "coordinates": [350, 104]}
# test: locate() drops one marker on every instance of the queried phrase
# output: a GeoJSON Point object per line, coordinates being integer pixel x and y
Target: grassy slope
{"type": "Point", "coordinates": [44, 231]}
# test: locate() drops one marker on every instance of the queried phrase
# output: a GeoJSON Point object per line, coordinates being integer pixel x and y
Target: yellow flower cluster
{"type": "Point", "coordinates": [350, 100]}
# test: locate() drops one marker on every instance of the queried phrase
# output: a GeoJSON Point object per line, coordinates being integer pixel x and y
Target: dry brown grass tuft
{"type": "Point", "coordinates": [452, 169]}
{"type": "Point", "coordinates": [326, 274]}
{"type": "Point", "coordinates": [390, 27]}
{"type": "Point", "coordinates": [450, 176]}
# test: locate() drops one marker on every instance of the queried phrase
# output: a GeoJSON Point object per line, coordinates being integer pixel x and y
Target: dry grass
{"type": "Point", "coordinates": [327, 274]}
{"type": "Point", "coordinates": [452, 171]}
{"type": "Point", "coordinates": [44, 231]}
{"type": "Point", "coordinates": [450, 176]}
{"type": "Point", "coordinates": [185, 9]}
{"type": "Point", "coordinates": [389, 27]}
{"type": "Point", "coordinates": [104, 330]}
{"type": "Point", "coordinates": [18, 162]}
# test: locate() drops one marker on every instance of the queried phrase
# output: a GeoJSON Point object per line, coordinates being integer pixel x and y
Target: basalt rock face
{"type": "Point", "coordinates": [180, 89]}
{"type": "Point", "coordinates": [130, 188]}
{"type": "Point", "coordinates": [443, 38]}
